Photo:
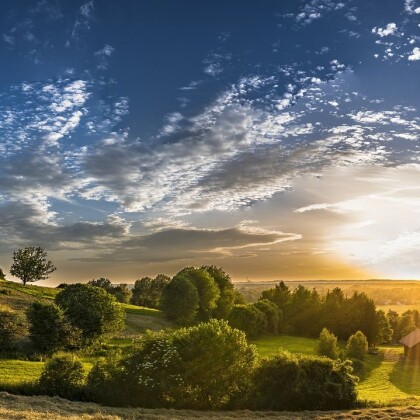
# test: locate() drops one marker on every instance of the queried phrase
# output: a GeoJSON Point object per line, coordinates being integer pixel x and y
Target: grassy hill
{"type": "Point", "coordinates": [19, 297]}
{"type": "Point", "coordinates": [138, 319]}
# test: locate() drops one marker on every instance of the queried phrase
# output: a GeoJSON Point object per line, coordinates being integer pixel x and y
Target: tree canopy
{"type": "Point", "coordinates": [30, 264]}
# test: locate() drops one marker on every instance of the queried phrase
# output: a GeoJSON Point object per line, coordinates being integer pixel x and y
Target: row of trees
{"type": "Point", "coordinates": [207, 366]}
{"type": "Point", "coordinates": [306, 313]}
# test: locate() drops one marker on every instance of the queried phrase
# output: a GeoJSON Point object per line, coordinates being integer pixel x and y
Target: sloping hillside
{"type": "Point", "coordinates": [18, 297]}
{"type": "Point", "coordinates": [138, 319]}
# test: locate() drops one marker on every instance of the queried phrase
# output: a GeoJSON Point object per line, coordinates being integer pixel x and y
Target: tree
{"type": "Point", "coordinates": [12, 327]}
{"type": "Point", "coordinates": [384, 334]}
{"type": "Point", "coordinates": [248, 319]}
{"type": "Point", "coordinates": [102, 282]}
{"type": "Point", "coordinates": [207, 289]}
{"type": "Point", "coordinates": [327, 345]}
{"type": "Point", "coordinates": [357, 346]}
{"type": "Point", "coordinates": [272, 313]}
{"type": "Point", "coordinates": [297, 382]}
{"type": "Point", "coordinates": [208, 366]}
{"type": "Point", "coordinates": [30, 264]}
{"type": "Point", "coordinates": [94, 311]}
{"type": "Point", "coordinates": [281, 296]}
{"type": "Point", "coordinates": [122, 293]}
{"type": "Point", "coordinates": [225, 302]}
{"type": "Point", "coordinates": [180, 301]}
{"type": "Point", "coordinates": [2, 275]}
{"type": "Point", "coordinates": [62, 375]}
{"type": "Point", "coordinates": [148, 292]}
{"type": "Point", "coordinates": [49, 331]}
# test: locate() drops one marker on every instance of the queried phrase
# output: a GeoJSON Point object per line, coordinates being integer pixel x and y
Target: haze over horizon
{"type": "Point", "coordinates": [274, 139]}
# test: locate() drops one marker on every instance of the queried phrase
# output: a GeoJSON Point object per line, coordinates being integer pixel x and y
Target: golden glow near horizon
{"type": "Point", "coordinates": [349, 224]}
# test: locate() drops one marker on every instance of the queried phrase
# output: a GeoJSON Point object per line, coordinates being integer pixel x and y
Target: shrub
{"type": "Point", "coordinates": [102, 383]}
{"type": "Point", "coordinates": [208, 366]}
{"type": "Point", "coordinates": [93, 311]}
{"type": "Point", "coordinates": [12, 327]}
{"type": "Point", "coordinates": [248, 319]}
{"type": "Point", "coordinates": [357, 346]}
{"type": "Point", "coordinates": [327, 345]}
{"type": "Point", "coordinates": [63, 376]}
{"type": "Point", "coordinates": [48, 329]}
{"type": "Point", "coordinates": [297, 382]}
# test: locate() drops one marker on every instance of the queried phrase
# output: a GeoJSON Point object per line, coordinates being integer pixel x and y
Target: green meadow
{"type": "Point", "coordinates": [386, 379]}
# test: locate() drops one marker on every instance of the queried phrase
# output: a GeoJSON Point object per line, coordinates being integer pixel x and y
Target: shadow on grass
{"type": "Point", "coordinates": [373, 361]}
{"type": "Point", "coordinates": [406, 376]}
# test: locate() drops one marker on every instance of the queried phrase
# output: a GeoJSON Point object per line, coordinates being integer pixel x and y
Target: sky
{"type": "Point", "coordinates": [276, 139]}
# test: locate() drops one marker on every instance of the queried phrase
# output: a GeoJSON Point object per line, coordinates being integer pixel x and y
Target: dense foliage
{"type": "Point", "coordinates": [62, 375]}
{"type": "Point", "coordinates": [121, 292]}
{"type": "Point", "coordinates": [327, 345]}
{"type": "Point", "coordinates": [49, 329]}
{"type": "Point", "coordinates": [30, 264]}
{"type": "Point", "coordinates": [148, 292]}
{"type": "Point", "coordinates": [207, 366]}
{"type": "Point", "coordinates": [357, 346]}
{"type": "Point", "coordinates": [12, 327]}
{"type": "Point", "coordinates": [92, 310]}
{"type": "Point", "coordinates": [292, 381]}
{"type": "Point", "coordinates": [305, 312]}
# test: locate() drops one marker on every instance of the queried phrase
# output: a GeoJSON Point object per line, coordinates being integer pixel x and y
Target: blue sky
{"type": "Point", "coordinates": [276, 139]}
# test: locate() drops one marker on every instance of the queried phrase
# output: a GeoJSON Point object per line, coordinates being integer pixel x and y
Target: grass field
{"type": "Point", "coordinates": [268, 346]}
{"type": "Point", "coordinates": [14, 407]}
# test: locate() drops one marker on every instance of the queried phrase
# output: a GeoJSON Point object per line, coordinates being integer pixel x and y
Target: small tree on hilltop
{"type": "Point", "coordinates": [357, 346]}
{"type": "Point", "coordinates": [327, 344]}
{"type": "Point", "coordinates": [2, 275]}
{"type": "Point", "coordinates": [30, 264]}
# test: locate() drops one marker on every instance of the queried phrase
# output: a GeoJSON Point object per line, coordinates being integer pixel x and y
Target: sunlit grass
{"type": "Point", "coordinates": [270, 345]}
{"type": "Point", "coordinates": [14, 372]}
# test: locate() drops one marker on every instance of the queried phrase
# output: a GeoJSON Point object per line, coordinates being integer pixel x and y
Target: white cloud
{"type": "Point", "coordinates": [390, 29]}
{"type": "Point", "coordinates": [415, 55]}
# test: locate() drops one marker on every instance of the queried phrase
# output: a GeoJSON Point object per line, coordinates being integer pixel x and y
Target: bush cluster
{"type": "Point", "coordinates": [208, 366]}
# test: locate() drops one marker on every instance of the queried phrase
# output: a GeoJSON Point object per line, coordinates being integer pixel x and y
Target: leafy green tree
{"type": "Point", "coordinates": [248, 319]}
{"type": "Point", "coordinates": [281, 296]}
{"type": "Point", "coordinates": [180, 301]}
{"type": "Point", "coordinates": [92, 310]}
{"type": "Point", "coordinates": [218, 365]}
{"type": "Point", "coordinates": [226, 299]}
{"type": "Point", "coordinates": [122, 293]}
{"type": "Point", "coordinates": [384, 334]}
{"type": "Point", "coordinates": [62, 375]}
{"type": "Point", "coordinates": [208, 366]}
{"type": "Point", "coordinates": [12, 327]}
{"type": "Point", "coordinates": [30, 264]}
{"type": "Point", "coordinates": [2, 275]}
{"type": "Point", "coordinates": [281, 382]}
{"type": "Point", "coordinates": [357, 346]}
{"type": "Point", "coordinates": [207, 289]}
{"type": "Point", "coordinates": [327, 345]}
{"type": "Point", "coordinates": [148, 292]}
{"type": "Point", "coordinates": [102, 282]}
{"type": "Point", "coordinates": [272, 313]}
{"type": "Point", "coordinates": [49, 330]}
